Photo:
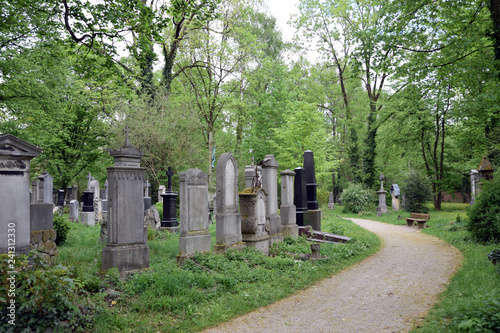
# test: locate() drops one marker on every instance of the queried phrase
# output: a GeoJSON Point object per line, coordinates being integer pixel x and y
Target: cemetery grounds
{"type": "Point", "coordinates": [210, 289]}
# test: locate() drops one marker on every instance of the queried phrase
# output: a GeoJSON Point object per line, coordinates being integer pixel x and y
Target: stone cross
{"type": "Point", "coordinates": [169, 175]}
{"type": "Point", "coordinates": [127, 137]}
{"type": "Point", "coordinates": [381, 178]}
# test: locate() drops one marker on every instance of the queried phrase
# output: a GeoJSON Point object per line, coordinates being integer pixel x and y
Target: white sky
{"type": "Point", "coordinates": [282, 9]}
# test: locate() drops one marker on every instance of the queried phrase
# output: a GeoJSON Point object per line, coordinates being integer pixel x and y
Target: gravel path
{"type": "Point", "coordinates": [390, 291]}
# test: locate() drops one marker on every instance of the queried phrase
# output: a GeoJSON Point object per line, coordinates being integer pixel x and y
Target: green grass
{"type": "Point", "coordinates": [469, 304]}
{"type": "Point", "coordinates": [209, 289]}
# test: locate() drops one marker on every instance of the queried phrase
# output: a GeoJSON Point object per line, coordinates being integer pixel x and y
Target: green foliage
{"type": "Point", "coordinates": [416, 190]}
{"type": "Point", "coordinates": [355, 198]}
{"type": "Point", "coordinates": [44, 297]}
{"type": "Point", "coordinates": [482, 316]}
{"type": "Point", "coordinates": [494, 257]}
{"type": "Point", "coordinates": [62, 226]}
{"type": "Point", "coordinates": [159, 206]}
{"type": "Point", "coordinates": [484, 215]}
{"type": "Point", "coordinates": [323, 196]}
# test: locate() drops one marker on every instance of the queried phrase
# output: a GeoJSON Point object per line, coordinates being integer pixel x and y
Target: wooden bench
{"type": "Point", "coordinates": [421, 220]}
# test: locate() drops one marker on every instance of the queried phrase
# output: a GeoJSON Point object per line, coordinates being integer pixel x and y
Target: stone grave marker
{"type": "Point", "coordinates": [45, 187]}
{"type": "Point", "coordinates": [74, 211]}
{"type": "Point", "coordinates": [311, 187]}
{"type": "Point", "coordinates": [289, 226]}
{"type": "Point", "coordinates": [300, 198]}
{"type": "Point", "coordinates": [169, 199]}
{"type": "Point", "coordinates": [161, 190]}
{"type": "Point", "coordinates": [254, 219]}
{"type": "Point", "coordinates": [193, 196]}
{"type": "Point", "coordinates": [127, 247]}
{"type": "Point", "coordinates": [228, 218]}
{"type": "Point", "coordinates": [382, 206]}
{"type": "Point", "coordinates": [147, 198]}
{"type": "Point", "coordinates": [15, 157]}
{"type": "Point", "coordinates": [331, 202]}
{"type": "Point", "coordinates": [270, 185]}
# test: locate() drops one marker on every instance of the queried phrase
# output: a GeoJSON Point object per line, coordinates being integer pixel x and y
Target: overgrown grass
{"type": "Point", "coordinates": [208, 289]}
{"type": "Point", "coordinates": [471, 302]}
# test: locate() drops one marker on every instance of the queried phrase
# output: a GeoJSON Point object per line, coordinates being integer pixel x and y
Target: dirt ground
{"type": "Point", "coordinates": [390, 291]}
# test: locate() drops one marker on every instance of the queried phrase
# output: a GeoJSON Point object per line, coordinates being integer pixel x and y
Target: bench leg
{"type": "Point", "coordinates": [422, 225]}
{"type": "Point", "coordinates": [410, 223]}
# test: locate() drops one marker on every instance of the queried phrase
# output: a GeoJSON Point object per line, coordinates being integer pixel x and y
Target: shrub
{"type": "Point", "coordinates": [159, 206]}
{"type": "Point", "coordinates": [484, 215]}
{"type": "Point", "coordinates": [61, 225]}
{"type": "Point", "coordinates": [323, 196]}
{"type": "Point", "coordinates": [356, 199]}
{"type": "Point", "coordinates": [481, 317]}
{"type": "Point", "coordinates": [45, 297]}
{"type": "Point", "coordinates": [416, 190]}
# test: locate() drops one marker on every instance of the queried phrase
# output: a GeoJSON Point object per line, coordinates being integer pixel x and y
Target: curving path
{"type": "Point", "coordinates": [388, 292]}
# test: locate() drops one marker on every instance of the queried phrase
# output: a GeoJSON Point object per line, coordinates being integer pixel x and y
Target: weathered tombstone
{"type": "Point", "coordinates": [331, 202]}
{"type": "Point", "coordinates": [94, 187]}
{"type": "Point", "coordinates": [161, 190]}
{"type": "Point", "coordinates": [152, 218]}
{"type": "Point", "coordinates": [34, 191]}
{"type": "Point", "coordinates": [395, 193]}
{"type": "Point", "coordinates": [382, 206]}
{"type": "Point", "coordinates": [43, 235]}
{"type": "Point", "coordinates": [74, 193]}
{"type": "Point", "coordinates": [311, 186]}
{"type": "Point", "coordinates": [270, 185]}
{"type": "Point", "coordinates": [289, 227]}
{"type": "Point", "coordinates": [87, 216]}
{"type": "Point", "coordinates": [15, 157]}
{"type": "Point", "coordinates": [252, 171]}
{"type": "Point", "coordinates": [69, 191]}
{"type": "Point", "coordinates": [300, 198]}
{"type": "Point", "coordinates": [169, 198]}
{"type": "Point", "coordinates": [127, 247]}
{"type": "Point", "coordinates": [254, 219]}
{"type": "Point", "coordinates": [74, 211]}
{"type": "Point", "coordinates": [228, 218]}
{"type": "Point", "coordinates": [147, 198]}
{"type": "Point", "coordinates": [60, 198]}
{"type": "Point", "coordinates": [105, 198]}
{"type": "Point", "coordinates": [45, 187]}
{"type": "Point", "coordinates": [193, 196]}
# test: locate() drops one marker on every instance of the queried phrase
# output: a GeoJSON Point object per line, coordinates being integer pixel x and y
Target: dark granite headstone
{"type": "Point", "coordinates": [300, 197]}
{"type": "Point", "coordinates": [88, 201]}
{"type": "Point", "coordinates": [169, 219]}
{"type": "Point", "coordinates": [60, 198]}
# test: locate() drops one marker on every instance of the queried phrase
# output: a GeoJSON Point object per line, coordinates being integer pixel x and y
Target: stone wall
{"type": "Point", "coordinates": [43, 241]}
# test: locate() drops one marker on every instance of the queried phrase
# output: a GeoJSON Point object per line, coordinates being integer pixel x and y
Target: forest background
{"type": "Point", "coordinates": [395, 86]}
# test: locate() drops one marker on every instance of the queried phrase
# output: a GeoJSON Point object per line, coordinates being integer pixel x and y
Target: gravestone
{"type": "Point", "coordinates": [45, 187]}
{"type": "Point", "coordinates": [43, 235]}
{"type": "Point", "coordinates": [193, 196]}
{"type": "Point", "coordinates": [395, 193]}
{"type": "Point", "coordinates": [300, 197]}
{"type": "Point", "coordinates": [60, 198]}
{"type": "Point", "coordinates": [69, 191]}
{"type": "Point", "coordinates": [74, 193]}
{"type": "Point", "coordinates": [127, 247]}
{"type": "Point", "coordinates": [105, 198]}
{"type": "Point", "coordinates": [161, 190]}
{"type": "Point", "coordinates": [270, 185]}
{"type": "Point", "coordinates": [93, 186]}
{"type": "Point", "coordinates": [15, 157]}
{"type": "Point", "coordinates": [252, 171]}
{"type": "Point", "coordinates": [382, 206]}
{"type": "Point", "coordinates": [331, 202]}
{"type": "Point", "coordinates": [152, 218]}
{"type": "Point", "coordinates": [147, 198]}
{"type": "Point", "coordinates": [74, 211]}
{"type": "Point", "coordinates": [228, 218]}
{"type": "Point", "coordinates": [289, 227]}
{"type": "Point", "coordinates": [34, 191]}
{"type": "Point", "coordinates": [87, 216]}
{"type": "Point", "coordinates": [169, 198]}
{"type": "Point", "coordinates": [311, 187]}
{"type": "Point", "coordinates": [254, 219]}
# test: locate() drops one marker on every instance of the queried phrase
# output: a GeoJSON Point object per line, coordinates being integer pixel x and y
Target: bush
{"type": "Point", "coordinates": [416, 190]}
{"type": "Point", "coordinates": [481, 317]}
{"type": "Point", "coordinates": [159, 206]}
{"type": "Point", "coordinates": [61, 225]}
{"type": "Point", "coordinates": [356, 199]}
{"type": "Point", "coordinates": [484, 214]}
{"type": "Point", "coordinates": [45, 297]}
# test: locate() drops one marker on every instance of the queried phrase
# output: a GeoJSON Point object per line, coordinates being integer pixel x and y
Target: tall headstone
{"type": "Point", "coordinates": [331, 201]}
{"type": "Point", "coordinates": [34, 191]}
{"type": "Point", "coordinates": [105, 198]}
{"type": "Point", "coordinates": [270, 185]}
{"type": "Point", "coordinates": [161, 190]}
{"type": "Point", "coordinates": [74, 211]}
{"type": "Point", "coordinates": [69, 194]}
{"type": "Point", "coordinates": [169, 198]}
{"type": "Point", "coordinates": [147, 198]}
{"type": "Point", "coordinates": [311, 187]}
{"type": "Point", "coordinates": [228, 218]}
{"type": "Point", "coordinates": [15, 157]}
{"type": "Point", "coordinates": [94, 187]}
{"type": "Point", "coordinates": [45, 187]}
{"type": "Point", "coordinates": [74, 193]}
{"type": "Point", "coordinates": [289, 227]}
{"type": "Point", "coordinates": [127, 247]}
{"type": "Point", "coordinates": [395, 193]}
{"type": "Point", "coordinates": [193, 196]}
{"type": "Point", "coordinates": [382, 206]}
{"type": "Point", "coordinates": [300, 197]}
{"type": "Point", "coordinates": [60, 198]}
{"type": "Point", "coordinates": [254, 219]}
